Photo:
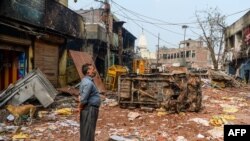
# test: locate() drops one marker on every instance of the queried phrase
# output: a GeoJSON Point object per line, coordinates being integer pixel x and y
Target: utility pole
{"type": "Point", "coordinates": [158, 46]}
{"type": "Point", "coordinates": [120, 41]}
{"type": "Point", "coordinates": [106, 21]}
{"type": "Point", "coordinates": [93, 14]}
{"type": "Point", "coordinates": [184, 27]}
{"type": "Point", "coordinates": [184, 48]}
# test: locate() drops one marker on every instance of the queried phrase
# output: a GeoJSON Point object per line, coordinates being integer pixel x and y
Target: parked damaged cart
{"type": "Point", "coordinates": [175, 92]}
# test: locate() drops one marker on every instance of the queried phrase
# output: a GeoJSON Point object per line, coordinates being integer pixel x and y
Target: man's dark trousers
{"type": "Point", "coordinates": [88, 119]}
{"type": "Point", "coordinates": [247, 75]}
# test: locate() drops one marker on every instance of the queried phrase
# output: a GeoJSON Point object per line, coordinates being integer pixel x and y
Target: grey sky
{"type": "Point", "coordinates": [162, 13]}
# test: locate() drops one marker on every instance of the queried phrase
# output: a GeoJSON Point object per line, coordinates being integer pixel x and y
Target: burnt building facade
{"type": "Point", "coordinates": [34, 34]}
{"type": "Point", "coordinates": [237, 47]}
{"type": "Point", "coordinates": [121, 41]}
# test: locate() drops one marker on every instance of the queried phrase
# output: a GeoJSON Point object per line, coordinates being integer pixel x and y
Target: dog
{"type": "Point", "coordinates": [18, 111]}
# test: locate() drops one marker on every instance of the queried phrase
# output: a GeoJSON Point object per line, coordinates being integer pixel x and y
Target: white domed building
{"type": "Point", "coordinates": [142, 48]}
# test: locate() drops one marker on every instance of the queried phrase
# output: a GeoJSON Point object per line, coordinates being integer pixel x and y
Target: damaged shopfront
{"type": "Point", "coordinates": [13, 58]}
{"type": "Point", "coordinates": [29, 41]}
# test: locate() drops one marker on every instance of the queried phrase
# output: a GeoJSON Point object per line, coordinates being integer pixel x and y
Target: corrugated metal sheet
{"type": "Point", "coordinates": [46, 58]}
{"type": "Point", "coordinates": [33, 84]}
{"type": "Point", "coordinates": [81, 58]}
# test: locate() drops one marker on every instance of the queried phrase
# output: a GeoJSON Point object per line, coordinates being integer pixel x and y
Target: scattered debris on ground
{"type": "Point", "coordinates": [59, 121]}
{"type": "Point", "coordinates": [220, 79]}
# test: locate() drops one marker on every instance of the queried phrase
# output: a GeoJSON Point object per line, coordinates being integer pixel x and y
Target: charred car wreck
{"type": "Point", "coordinates": [175, 92]}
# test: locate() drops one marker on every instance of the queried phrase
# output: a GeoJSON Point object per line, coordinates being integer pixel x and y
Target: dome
{"type": "Point", "coordinates": [142, 42]}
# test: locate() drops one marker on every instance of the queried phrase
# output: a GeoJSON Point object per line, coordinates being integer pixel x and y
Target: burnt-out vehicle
{"type": "Point", "coordinates": [176, 92]}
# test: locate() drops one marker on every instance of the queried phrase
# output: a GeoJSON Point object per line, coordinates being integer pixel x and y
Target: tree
{"type": "Point", "coordinates": [212, 24]}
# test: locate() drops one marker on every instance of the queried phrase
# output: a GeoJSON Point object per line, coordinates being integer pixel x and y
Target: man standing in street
{"type": "Point", "coordinates": [89, 104]}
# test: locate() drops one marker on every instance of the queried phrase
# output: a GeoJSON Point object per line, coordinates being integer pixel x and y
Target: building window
{"type": "Point", "coordinates": [165, 56]}
{"type": "Point", "coordinates": [182, 54]}
{"type": "Point", "coordinates": [174, 55]}
{"type": "Point", "coordinates": [171, 56]}
{"type": "Point", "coordinates": [188, 53]}
{"type": "Point", "coordinates": [193, 54]}
{"type": "Point", "coordinates": [178, 55]}
{"type": "Point", "coordinates": [168, 56]}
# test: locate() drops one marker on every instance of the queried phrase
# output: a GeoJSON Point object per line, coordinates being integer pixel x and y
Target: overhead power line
{"type": "Point", "coordinates": [151, 33]}
{"type": "Point", "coordinates": [157, 22]}
{"type": "Point", "coordinates": [162, 22]}
{"type": "Point", "coordinates": [155, 19]}
{"type": "Point", "coordinates": [151, 24]}
{"type": "Point", "coordinates": [238, 12]}
{"type": "Point", "coordinates": [195, 32]}
{"type": "Point", "coordinates": [144, 21]}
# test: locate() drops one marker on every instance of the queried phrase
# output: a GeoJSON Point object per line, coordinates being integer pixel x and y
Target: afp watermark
{"type": "Point", "coordinates": [236, 132]}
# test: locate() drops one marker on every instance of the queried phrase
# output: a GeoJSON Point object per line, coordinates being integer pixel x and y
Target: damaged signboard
{"type": "Point", "coordinates": [34, 84]}
{"type": "Point", "coordinates": [80, 58]}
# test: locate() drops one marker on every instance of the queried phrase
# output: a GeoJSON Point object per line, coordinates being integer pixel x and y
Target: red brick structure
{"type": "Point", "coordinates": [192, 54]}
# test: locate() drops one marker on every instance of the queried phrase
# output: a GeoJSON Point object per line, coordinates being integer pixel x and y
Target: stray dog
{"type": "Point", "coordinates": [18, 111]}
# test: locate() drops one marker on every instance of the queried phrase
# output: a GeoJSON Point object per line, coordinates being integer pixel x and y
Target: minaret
{"type": "Point", "coordinates": [142, 46]}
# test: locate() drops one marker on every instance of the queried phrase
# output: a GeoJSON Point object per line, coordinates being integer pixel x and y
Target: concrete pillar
{"type": "Point", "coordinates": [30, 58]}
{"type": "Point", "coordinates": [63, 68]}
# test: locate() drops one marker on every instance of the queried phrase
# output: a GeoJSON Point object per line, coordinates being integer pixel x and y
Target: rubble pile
{"type": "Point", "coordinates": [222, 80]}
{"type": "Point", "coordinates": [60, 120]}
{"type": "Point", "coordinates": [34, 84]}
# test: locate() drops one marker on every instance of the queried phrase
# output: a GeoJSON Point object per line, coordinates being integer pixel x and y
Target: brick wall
{"type": "Point", "coordinates": [200, 60]}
